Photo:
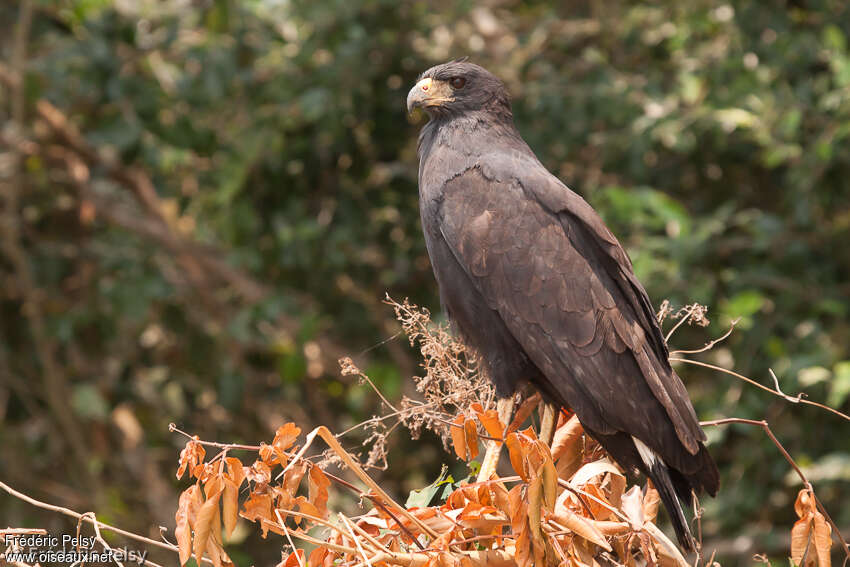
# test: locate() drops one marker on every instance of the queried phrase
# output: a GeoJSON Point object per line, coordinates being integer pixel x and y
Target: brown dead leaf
{"type": "Point", "coordinates": [294, 559]}
{"type": "Point", "coordinates": [230, 498]}
{"type": "Point", "coordinates": [459, 437]}
{"type": "Point", "coordinates": [306, 507]}
{"type": "Point", "coordinates": [259, 473]}
{"type": "Point", "coordinates": [811, 536]}
{"type": "Point", "coordinates": [517, 508]}
{"type": "Point", "coordinates": [632, 507]}
{"type": "Point", "coordinates": [650, 502]}
{"type": "Point", "coordinates": [522, 550]}
{"type": "Point", "coordinates": [317, 557]}
{"type": "Point", "coordinates": [285, 436]}
{"type": "Point", "coordinates": [318, 491]}
{"type": "Point", "coordinates": [292, 477]}
{"type": "Point", "coordinates": [567, 439]}
{"type": "Point", "coordinates": [599, 506]}
{"type": "Point", "coordinates": [516, 454]}
{"type": "Point", "coordinates": [490, 420]}
{"type": "Point", "coordinates": [535, 503]}
{"type": "Point", "coordinates": [668, 552]}
{"type": "Point", "coordinates": [268, 455]}
{"type": "Point", "coordinates": [187, 508]}
{"type": "Point", "coordinates": [258, 507]}
{"type": "Point", "coordinates": [191, 456]}
{"type": "Point", "coordinates": [550, 483]}
{"type": "Point", "coordinates": [525, 409]}
{"type": "Point", "coordinates": [470, 430]}
{"type": "Point", "coordinates": [592, 470]}
{"type": "Point", "coordinates": [230, 506]}
{"type": "Point", "coordinates": [204, 525]}
{"type": "Point", "coordinates": [582, 527]}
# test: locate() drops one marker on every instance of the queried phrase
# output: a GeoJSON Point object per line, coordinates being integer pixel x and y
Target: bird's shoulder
{"type": "Point", "coordinates": [509, 214]}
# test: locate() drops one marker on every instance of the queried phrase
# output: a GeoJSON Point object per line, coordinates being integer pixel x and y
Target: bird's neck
{"type": "Point", "coordinates": [461, 131]}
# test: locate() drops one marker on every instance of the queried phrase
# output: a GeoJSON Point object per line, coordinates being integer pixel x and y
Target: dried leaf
{"type": "Point", "coordinates": [230, 506]}
{"type": "Point", "coordinates": [259, 473]}
{"type": "Point", "coordinates": [294, 559]}
{"type": "Point", "coordinates": [292, 477]}
{"type": "Point", "coordinates": [185, 518]}
{"type": "Point", "coordinates": [204, 525]}
{"type": "Point", "coordinates": [586, 473]}
{"type": "Point", "coordinates": [535, 502]}
{"type": "Point", "coordinates": [318, 492]}
{"type": "Point", "coordinates": [317, 557]}
{"type": "Point", "coordinates": [515, 452]}
{"type": "Point", "coordinates": [650, 503]}
{"type": "Point", "coordinates": [550, 484]}
{"type": "Point", "coordinates": [811, 536]}
{"type": "Point", "coordinates": [823, 539]}
{"type": "Point", "coordinates": [518, 508]}
{"type": "Point", "coordinates": [525, 410]}
{"type": "Point", "coordinates": [632, 506]}
{"type": "Point", "coordinates": [285, 436]}
{"type": "Point", "coordinates": [459, 437]}
{"type": "Point", "coordinates": [471, 432]}
{"type": "Point", "coordinates": [230, 498]}
{"type": "Point", "coordinates": [566, 442]}
{"type": "Point", "coordinates": [599, 506]}
{"type": "Point", "coordinates": [235, 470]}
{"type": "Point", "coordinates": [582, 527]}
{"type": "Point", "coordinates": [490, 420]}
{"type": "Point", "coordinates": [522, 550]}
{"type": "Point", "coordinates": [191, 456]}
{"type": "Point", "coordinates": [258, 507]}
{"type": "Point", "coordinates": [267, 455]}
{"type": "Point", "coordinates": [665, 547]}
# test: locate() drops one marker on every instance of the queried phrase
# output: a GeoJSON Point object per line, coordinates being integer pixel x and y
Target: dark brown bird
{"type": "Point", "coordinates": [533, 279]}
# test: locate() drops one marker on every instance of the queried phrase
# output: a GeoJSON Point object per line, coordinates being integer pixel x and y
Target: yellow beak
{"type": "Point", "coordinates": [428, 92]}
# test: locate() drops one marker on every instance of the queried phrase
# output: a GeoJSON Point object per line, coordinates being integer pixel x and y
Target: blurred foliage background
{"type": "Point", "coordinates": [204, 202]}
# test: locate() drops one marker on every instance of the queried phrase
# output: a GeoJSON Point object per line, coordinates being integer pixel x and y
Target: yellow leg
{"type": "Point", "coordinates": [547, 423]}
{"type": "Point", "coordinates": [505, 408]}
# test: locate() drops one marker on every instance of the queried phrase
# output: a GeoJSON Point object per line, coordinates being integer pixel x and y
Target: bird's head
{"type": "Point", "coordinates": [457, 87]}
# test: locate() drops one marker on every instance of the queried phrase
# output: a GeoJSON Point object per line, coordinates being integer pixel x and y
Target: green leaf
{"type": "Point", "coordinates": [424, 496]}
{"type": "Point", "coordinates": [87, 402]}
{"type": "Point", "coordinates": [840, 385]}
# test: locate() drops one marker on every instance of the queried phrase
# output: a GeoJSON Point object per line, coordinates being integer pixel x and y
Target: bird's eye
{"type": "Point", "coordinates": [457, 82]}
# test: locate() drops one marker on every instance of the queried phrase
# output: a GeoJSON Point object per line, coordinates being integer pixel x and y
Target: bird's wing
{"type": "Point", "coordinates": [542, 258]}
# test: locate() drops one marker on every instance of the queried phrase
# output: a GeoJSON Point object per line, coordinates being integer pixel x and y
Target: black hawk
{"type": "Point", "coordinates": [533, 280]}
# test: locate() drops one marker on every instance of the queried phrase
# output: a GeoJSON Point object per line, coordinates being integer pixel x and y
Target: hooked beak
{"type": "Point", "coordinates": [428, 93]}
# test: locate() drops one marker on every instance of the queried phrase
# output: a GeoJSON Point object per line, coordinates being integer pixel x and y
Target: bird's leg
{"type": "Point", "coordinates": [547, 423]}
{"type": "Point", "coordinates": [505, 408]}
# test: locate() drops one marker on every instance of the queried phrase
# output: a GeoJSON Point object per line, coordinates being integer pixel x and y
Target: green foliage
{"type": "Point", "coordinates": [714, 139]}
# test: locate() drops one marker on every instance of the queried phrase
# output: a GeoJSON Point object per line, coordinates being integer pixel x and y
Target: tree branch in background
{"type": "Point", "coordinates": [201, 264]}
{"type": "Point", "coordinates": [55, 385]}
{"type": "Point", "coordinates": [790, 460]}
{"type": "Point", "coordinates": [90, 518]}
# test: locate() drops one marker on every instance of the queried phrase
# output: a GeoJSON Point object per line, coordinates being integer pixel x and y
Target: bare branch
{"type": "Point", "coordinates": [89, 517]}
{"type": "Point", "coordinates": [793, 399]}
{"type": "Point", "coordinates": [787, 456]}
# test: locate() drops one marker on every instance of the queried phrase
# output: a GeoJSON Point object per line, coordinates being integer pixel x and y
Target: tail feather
{"type": "Point", "coordinates": [659, 473]}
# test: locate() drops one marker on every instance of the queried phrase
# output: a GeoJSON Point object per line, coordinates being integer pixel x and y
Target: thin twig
{"type": "Point", "coordinates": [97, 535]}
{"type": "Point", "coordinates": [356, 540]}
{"type": "Point", "coordinates": [792, 399]}
{"type": "Point", "coordinates": [709, 345]}
{"type": "Point", "coordinates": [766, 428]}
{"type": "Point", "coordinates": [289, 538]}
{"type": "Point", "coordinates": [77, 515]}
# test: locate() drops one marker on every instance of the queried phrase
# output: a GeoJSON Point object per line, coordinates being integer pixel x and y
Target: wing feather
{"type": "Point", "coordinates": [543, 259]}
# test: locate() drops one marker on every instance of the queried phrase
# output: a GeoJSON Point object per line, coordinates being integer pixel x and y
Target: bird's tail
{"type": "Point", "coordinates": [659, 473]}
